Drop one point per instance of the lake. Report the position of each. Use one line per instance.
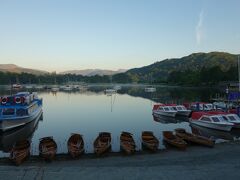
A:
(90, 112)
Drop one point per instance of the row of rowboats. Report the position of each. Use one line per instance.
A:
(102, 144)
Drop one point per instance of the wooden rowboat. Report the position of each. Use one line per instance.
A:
(149, 141)
(75, 145)
(127, 143)
(174, 140)
(47, 148)
(20, 152)
(102, 143)
(189, 137)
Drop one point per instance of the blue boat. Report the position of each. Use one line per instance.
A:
(19, 109)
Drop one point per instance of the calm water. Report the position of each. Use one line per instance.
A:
(91, 112)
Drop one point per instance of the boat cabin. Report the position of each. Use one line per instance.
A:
(21, 104)
(209, 117)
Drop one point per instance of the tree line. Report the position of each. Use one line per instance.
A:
(204, 76)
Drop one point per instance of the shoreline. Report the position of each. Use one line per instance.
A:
(197, 162)
(62, 157)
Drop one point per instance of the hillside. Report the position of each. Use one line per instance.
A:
(93, 72)
(17, 69)
(160, 71)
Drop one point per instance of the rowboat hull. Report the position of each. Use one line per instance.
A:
(102, 144)
(173, 140)
(127, 143)
(192, 138)
(149, 141)
(75, 145)
(20, 152)
(47, 148)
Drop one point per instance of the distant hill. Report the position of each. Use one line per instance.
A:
(93, 72)
(159, 71)
(17, 69)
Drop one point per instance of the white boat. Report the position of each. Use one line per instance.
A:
(16, 86)
(38, 87)
(181, 110)
(150, 89)
(19, 109)
(28, 87)
(213, 121)
(110, 91)
(67, 88)
(201, 106)
(117, 87)
(230, 117)
(164, 110)
(55, 89)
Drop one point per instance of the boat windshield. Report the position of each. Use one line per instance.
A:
(232, 118)
(209, 106)
(8, 111)
(181, 108)
(166, 109)
(215, 119)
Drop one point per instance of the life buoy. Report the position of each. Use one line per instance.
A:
(18, 100)
(4, 100)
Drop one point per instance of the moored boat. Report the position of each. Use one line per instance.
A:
(193, 138)
(20, 152)
(181, 110)
(127, 143)
(16, 86)
(47, 148)
(149, 141)
(230, 117)
(164, 110)
(102, 143)
(75, 145)
(199, 106)
(19, 109)
(214, 121)
(150, 89)
(174, 140)
(110, 91)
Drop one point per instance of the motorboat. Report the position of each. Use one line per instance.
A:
(199, 106)
(67, 88)
(16, 86)
(19, 109)
(55, 88)
(230, 117)
(164, 110)
(213, 121)
(150, 89)
(110, 91)
(181, 110)
(117, 87)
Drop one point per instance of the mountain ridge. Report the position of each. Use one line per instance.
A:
(93, 72)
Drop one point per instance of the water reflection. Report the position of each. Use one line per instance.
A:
(91, 111)
(9, 138)
(215, 134)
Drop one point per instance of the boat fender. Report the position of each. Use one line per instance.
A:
(4, 100)
(17, 100)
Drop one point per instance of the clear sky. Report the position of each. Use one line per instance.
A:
(112, 34)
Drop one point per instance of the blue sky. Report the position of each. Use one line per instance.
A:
(110, 34)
